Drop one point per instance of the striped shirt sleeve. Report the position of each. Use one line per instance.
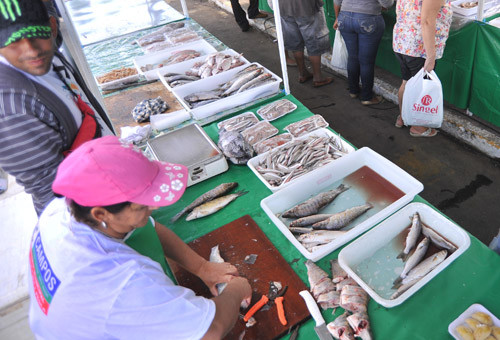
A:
(31, 147)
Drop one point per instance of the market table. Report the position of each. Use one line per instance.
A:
(472, 278)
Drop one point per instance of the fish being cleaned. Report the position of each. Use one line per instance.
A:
(423, 268)
(414, 259)
(314, 204)
(412, 237)
(213, 206)
(319, 281)
(320, 236)
(308, 220)
(216, 258)
(340, 328)
(361, 325)
(218, 191)
(341, 219)
(438, 240)
(329, 299)
(338, 273)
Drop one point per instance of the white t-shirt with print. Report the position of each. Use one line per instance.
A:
(86, 285)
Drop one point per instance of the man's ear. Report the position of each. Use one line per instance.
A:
(53, 26)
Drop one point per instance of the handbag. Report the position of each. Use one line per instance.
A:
(423, 100)
(339, 52)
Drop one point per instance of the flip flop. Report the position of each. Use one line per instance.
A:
(399, 122)
(323, 82)
(305, 78)
(427, 133)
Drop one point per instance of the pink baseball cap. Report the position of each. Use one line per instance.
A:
(107, 171)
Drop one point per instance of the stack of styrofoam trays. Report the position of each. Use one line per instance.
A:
(224, 103)
(200, 46)
(183, 70)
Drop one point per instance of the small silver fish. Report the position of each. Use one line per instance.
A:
(320, 236)
(412, 237)
(213, 206)
(438, 240)
(218, 191)
(415, 258)
(341, 219)
(300, 230)
(314, 204)
(308, 220)
(424, 267)
(216, 258)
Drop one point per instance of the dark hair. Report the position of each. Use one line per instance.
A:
(82, 213)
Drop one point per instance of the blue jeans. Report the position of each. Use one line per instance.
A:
(362, 34)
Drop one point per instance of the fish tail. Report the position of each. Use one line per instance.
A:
(178, 215)
(397, 283)
(403, 256)
(241, 192)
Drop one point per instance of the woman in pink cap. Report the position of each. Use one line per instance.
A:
(86, 283)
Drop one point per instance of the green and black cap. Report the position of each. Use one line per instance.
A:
(21, 19)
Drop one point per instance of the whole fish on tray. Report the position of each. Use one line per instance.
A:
(298, 157)
(314, 204)
(342, 219)
(320, 236)
(308, 220)
(218, 191)
(438, 240)
(213, 64)
(213, 206)
(412, 237)
(414, 259)
(243, 80)
(423, 268)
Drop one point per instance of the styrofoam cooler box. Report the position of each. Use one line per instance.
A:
(185, 66)
(211, 83)
(201, 46)
(371, 260)
(329, 177)
(254, 162)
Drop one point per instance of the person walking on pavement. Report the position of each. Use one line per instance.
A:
(420, 33)
(304, 25)
(241, 17)
(361, 24)
(46, 110)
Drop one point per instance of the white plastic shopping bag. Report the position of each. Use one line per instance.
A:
(339, 53)
(423, 100)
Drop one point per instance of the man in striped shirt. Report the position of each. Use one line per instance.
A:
(42, 99)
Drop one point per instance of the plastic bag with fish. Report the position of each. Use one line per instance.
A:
(234, 146)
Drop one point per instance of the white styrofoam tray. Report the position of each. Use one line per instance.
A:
(466, 314)
(371, 260)
(185, 66)
(253, 162)
(470, 11)
(328, 177)
(201, 46)
(226, 103)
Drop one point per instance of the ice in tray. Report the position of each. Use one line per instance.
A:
(370, 180)
(372, 260)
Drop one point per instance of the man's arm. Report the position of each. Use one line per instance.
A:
(31, 148)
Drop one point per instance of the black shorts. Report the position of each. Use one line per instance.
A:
(409, 65)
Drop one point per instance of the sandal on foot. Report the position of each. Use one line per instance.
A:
(353, 95)
(399, 122)
(305, 78)
(323, 82)
(430, 132)
(375, 100)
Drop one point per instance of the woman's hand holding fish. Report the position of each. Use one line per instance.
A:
(212, 273)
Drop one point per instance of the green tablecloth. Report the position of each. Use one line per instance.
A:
(472, 278)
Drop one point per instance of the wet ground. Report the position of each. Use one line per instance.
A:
(461, 182)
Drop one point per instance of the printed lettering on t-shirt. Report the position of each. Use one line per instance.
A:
(45, 281)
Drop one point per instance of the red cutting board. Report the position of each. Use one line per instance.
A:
(236, 240)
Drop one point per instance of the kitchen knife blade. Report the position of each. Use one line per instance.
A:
(320, 327)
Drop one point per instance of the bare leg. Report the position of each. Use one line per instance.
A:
(299, 58)
(289, 60)
(413, 129)
(316, 66)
